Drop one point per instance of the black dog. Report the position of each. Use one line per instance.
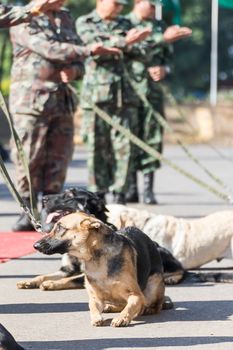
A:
(7, 341)
(78, 199)
(70, 201)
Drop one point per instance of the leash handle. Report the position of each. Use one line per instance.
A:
(32, 213)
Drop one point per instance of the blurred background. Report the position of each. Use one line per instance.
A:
(190, 83)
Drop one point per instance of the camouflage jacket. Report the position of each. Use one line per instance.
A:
(104, 81)
(158, 53)
(41, 49)
(13, 15)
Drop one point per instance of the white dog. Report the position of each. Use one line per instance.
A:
(192, 242)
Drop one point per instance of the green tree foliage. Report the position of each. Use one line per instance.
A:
(192, 55)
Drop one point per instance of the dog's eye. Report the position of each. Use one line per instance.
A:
(60, 230)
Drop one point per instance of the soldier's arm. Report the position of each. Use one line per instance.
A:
(89, 34)
(49, 49)
(123, 41)
(14, 15)
(71, 72)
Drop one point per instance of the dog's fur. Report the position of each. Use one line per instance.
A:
(53, 208)
(7, 341)
(123, 269)
(69, 276)
(192, 242)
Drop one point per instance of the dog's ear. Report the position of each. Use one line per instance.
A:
(71, 192)
(100, 194)
(95, 224)
(87, 223)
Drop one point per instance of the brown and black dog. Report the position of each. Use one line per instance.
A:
(123, 269)
(69, 275)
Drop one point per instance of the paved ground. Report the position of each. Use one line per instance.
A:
(203, 314)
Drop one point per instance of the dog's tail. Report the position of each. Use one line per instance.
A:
(7, 341)
(214, 277)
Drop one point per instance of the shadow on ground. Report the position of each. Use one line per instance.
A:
(127, 343)
(214, 310)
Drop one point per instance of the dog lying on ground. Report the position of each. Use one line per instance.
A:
(123, 269)
(69, 276)
(54, 207)
(192, 242)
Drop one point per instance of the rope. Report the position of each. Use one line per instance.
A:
(134, 139)
(183, 118)
(32, 213)
(166, 126)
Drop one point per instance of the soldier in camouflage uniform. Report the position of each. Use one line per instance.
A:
(47, 53)
(147, 75)
(13, 15)
(110, 153)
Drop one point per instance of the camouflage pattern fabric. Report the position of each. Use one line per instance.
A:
(13, 15)
(48, 145)
(105, 85)
(110, 153)
(41, 105)
(159, 55)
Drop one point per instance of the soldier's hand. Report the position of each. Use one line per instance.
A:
(157, 73)
(68, 74)
(100, 50)
(39, 6)
(135, 35)
(174, 33)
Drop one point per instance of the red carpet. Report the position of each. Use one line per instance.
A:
(16, 244)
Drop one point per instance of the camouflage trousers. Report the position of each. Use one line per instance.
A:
(48, 145)
(151, 132)
(110, 153)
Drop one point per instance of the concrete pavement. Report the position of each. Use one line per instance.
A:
(203, 314)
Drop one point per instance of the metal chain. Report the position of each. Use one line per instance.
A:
(17, 197)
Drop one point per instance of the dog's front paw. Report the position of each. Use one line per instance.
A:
(120, 321)
(48, 285)
(27, 285)
(97, 322)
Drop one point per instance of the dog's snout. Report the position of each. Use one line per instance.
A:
(37, 245)
(50, 245)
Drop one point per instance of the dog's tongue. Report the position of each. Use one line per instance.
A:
(51, 216)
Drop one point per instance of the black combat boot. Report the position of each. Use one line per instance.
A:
(119, 198)
(148, 195)
(132, 193)
(23, 223)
